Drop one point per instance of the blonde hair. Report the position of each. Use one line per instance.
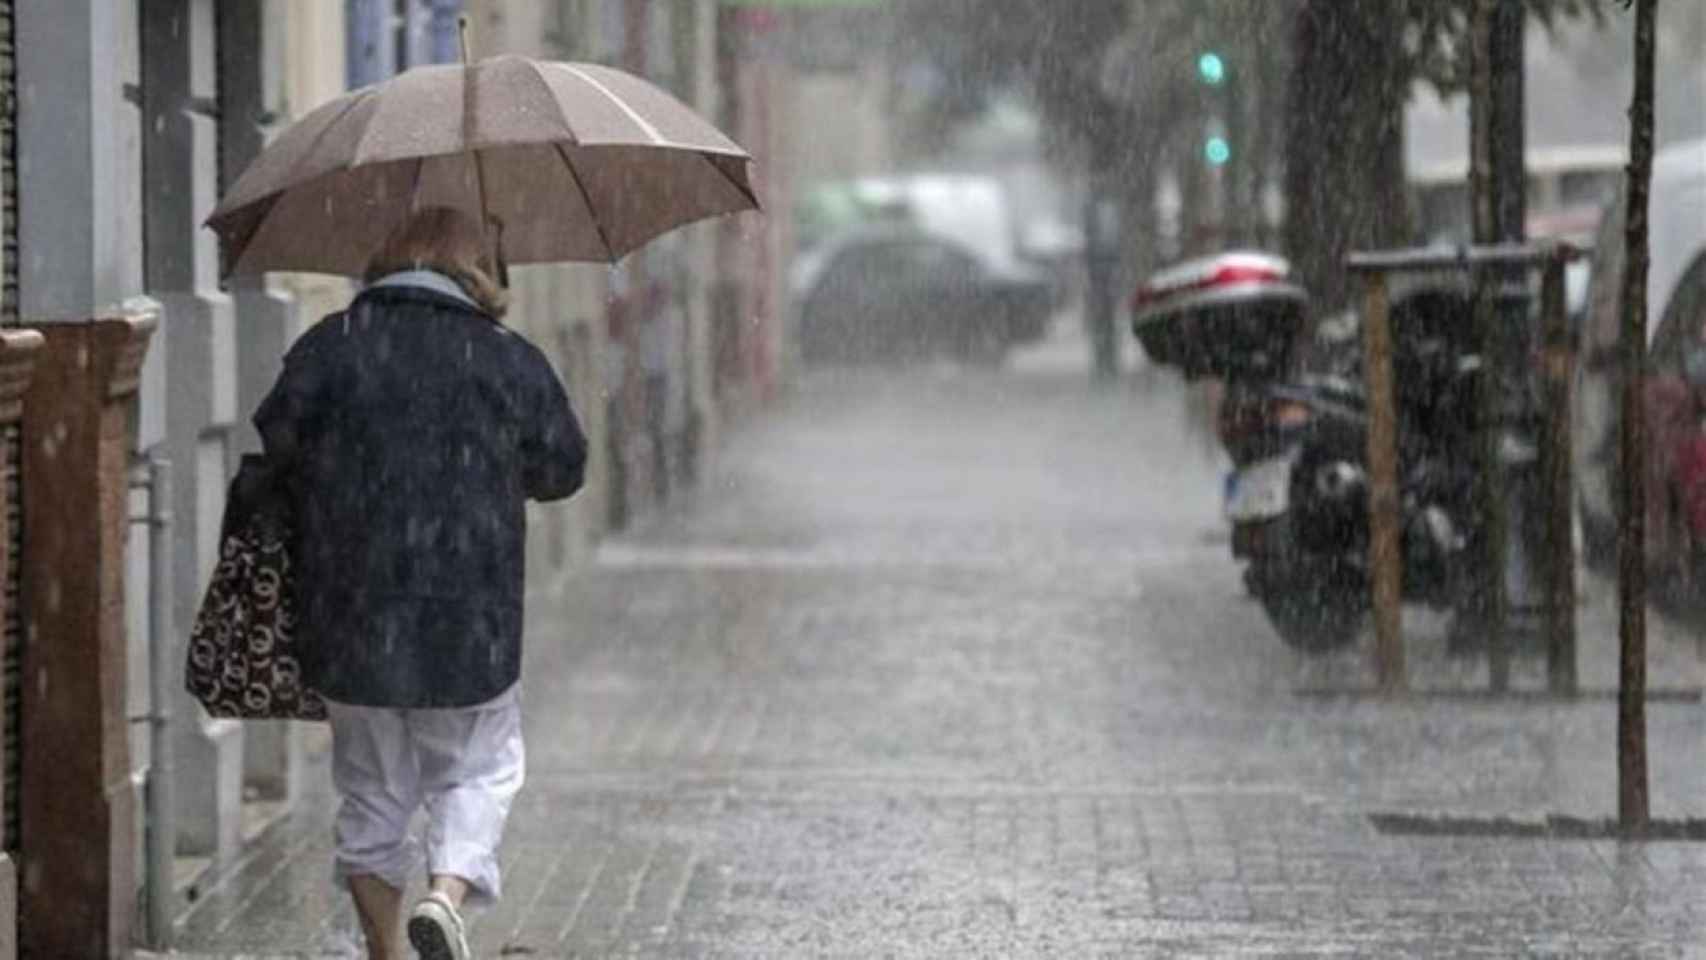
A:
(449, 241)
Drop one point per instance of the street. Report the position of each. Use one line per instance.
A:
(947, 662)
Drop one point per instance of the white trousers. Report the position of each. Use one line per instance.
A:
(462, 766)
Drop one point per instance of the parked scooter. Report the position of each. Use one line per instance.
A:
(1294, 422)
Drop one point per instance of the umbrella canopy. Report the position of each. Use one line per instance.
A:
(577, 161)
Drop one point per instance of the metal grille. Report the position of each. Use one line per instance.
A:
(8, 165)
(13, 669)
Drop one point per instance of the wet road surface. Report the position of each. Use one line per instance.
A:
(954, 663)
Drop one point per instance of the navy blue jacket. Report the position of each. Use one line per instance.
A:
(412, 428)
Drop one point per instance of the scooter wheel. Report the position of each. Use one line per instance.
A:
(1314, 624)
(1311, 606)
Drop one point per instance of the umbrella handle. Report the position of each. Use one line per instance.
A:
(500, 263)
(462, 31)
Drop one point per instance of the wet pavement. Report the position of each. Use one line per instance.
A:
(952, 663)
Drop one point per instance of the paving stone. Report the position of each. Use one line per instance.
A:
(956, 664)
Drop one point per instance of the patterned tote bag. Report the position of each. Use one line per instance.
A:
(242, 661)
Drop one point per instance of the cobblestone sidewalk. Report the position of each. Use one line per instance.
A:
(953, 665)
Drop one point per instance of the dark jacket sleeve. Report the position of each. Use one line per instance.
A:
(281, 417)
(553, 449)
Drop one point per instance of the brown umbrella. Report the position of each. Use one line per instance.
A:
(577, 161)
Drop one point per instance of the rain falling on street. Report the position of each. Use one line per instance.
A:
(951, 662)
(774, 479)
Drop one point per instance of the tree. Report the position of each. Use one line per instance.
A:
(1354, 67)
(975, 47)
(1632, 805)
(1344, 139)
(1115, 80)
(960, 54)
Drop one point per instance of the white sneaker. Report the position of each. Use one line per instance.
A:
(436, 931)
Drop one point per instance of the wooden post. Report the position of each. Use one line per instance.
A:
(1559, 362)
(1632, 799)
(1385, 574)
(78, 829)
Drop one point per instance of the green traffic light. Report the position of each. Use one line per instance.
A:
(1212, 69)
(1217, 150)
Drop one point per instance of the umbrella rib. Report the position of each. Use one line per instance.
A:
(292, 179)
(586, 198)
(233, 259)
(551, 97)
(645, 125)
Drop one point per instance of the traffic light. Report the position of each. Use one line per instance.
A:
(1211, 69)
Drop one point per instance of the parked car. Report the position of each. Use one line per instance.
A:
(1676, 327)
(884, 292)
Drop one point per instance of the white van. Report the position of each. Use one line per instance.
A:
(1676, 316)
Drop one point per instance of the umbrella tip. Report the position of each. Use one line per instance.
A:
(462, 31)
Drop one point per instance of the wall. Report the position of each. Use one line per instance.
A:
(79, 222)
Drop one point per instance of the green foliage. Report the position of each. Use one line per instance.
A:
(1438, 34)
(974, 50)
(982, 47)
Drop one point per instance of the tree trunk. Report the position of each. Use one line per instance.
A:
(1344, 178)
(1632, 809)
(1497, 190)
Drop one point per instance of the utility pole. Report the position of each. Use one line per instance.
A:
(1632, 806)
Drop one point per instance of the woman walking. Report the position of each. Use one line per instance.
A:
(412, 428)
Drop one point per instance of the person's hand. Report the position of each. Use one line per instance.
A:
(500, 262)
